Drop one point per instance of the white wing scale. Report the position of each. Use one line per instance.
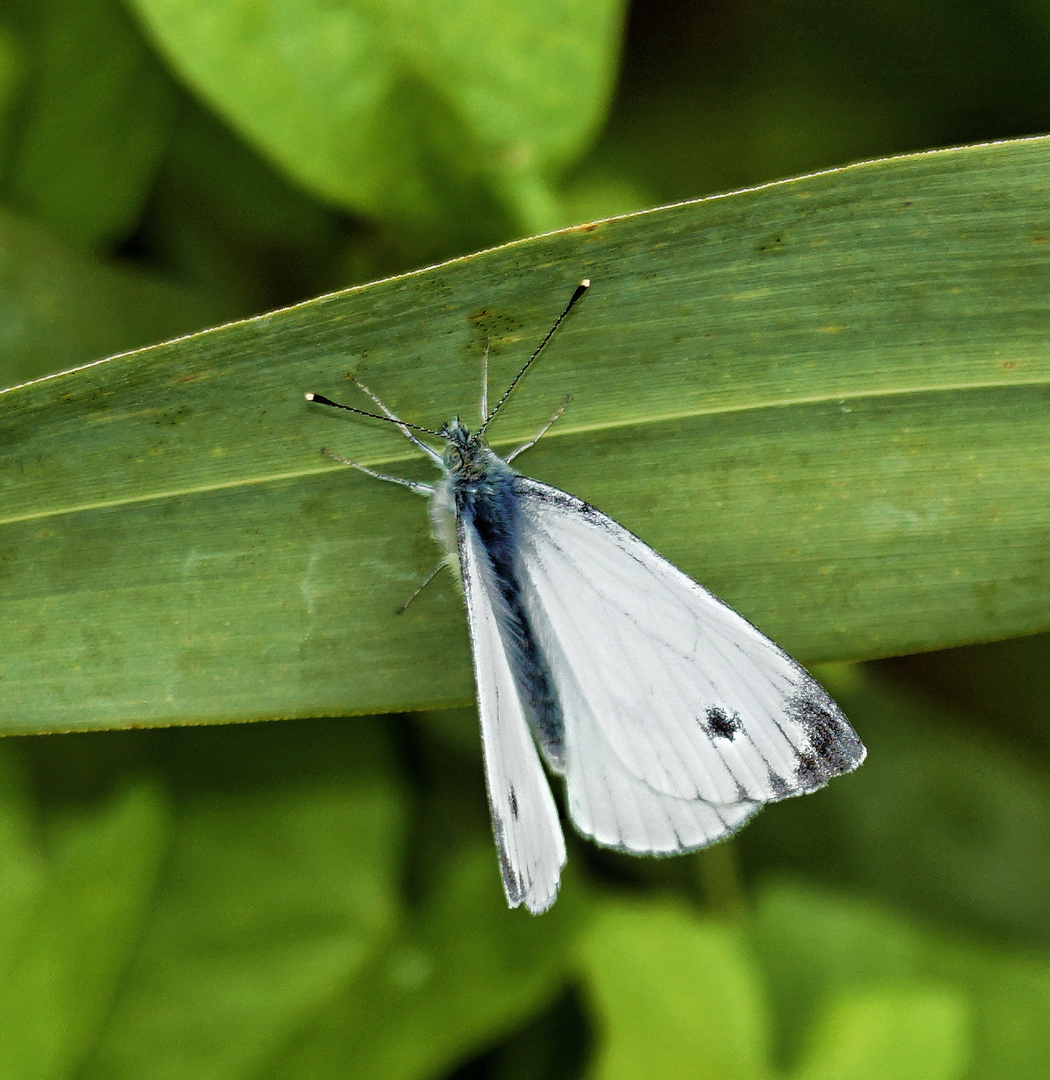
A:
(524, 817)
(681, 719)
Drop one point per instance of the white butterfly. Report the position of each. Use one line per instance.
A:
(672, 719)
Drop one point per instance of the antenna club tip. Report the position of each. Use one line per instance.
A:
(309, 397)
(586, 283)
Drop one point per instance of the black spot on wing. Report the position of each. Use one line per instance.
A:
(833, 746)
(720, 725)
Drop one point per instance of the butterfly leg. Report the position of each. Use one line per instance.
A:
(428, 450)
(539, 434)
(485, 382)
(414, 485)
(423, 584)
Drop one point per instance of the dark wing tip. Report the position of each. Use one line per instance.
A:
(833, 748)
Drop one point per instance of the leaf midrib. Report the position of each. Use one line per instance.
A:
(562, 433)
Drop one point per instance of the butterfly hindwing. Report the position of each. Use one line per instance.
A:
(524, 816)
(681, 718)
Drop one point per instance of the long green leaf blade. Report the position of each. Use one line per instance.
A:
(826, 399)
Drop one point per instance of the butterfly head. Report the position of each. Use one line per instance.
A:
(464, 449)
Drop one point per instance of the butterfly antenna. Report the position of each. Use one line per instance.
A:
(573, 300)
(319, 399)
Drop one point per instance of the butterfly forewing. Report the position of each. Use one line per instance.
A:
(616, 808)
(667, 693)
(524, 816)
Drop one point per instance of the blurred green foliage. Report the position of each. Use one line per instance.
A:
(320, 898)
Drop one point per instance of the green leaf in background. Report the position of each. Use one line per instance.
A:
(225, 220)
(850, 991)
(268, 932)
(1003, 686)
(948, 822)
(720, 99)
(60, 308)
(890, 1034)
(674, 997)
(280, 943)
(444, 120)
(12, 64)
(463, 972)
(77, 930)
(22, 866)
(299, 882)
(824, 398)
(962, 1008)
(93, 122)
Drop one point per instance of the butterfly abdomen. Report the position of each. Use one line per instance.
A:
(488, 503)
